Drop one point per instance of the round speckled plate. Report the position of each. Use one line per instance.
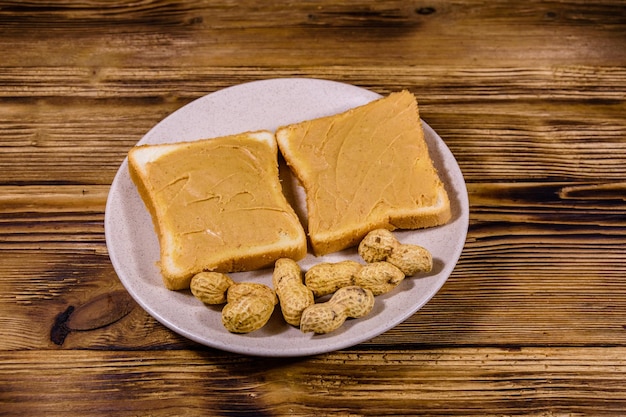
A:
(268, 104)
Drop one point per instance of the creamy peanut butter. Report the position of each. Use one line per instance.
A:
(361, 165)
(220, 196)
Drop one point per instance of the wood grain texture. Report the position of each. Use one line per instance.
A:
(481, 382)
(257, 33)
(565, 123)
(530, 97)
(541, 271)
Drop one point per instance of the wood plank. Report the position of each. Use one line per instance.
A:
(41, 286)
(260, 33)
(57, 199)
(454, 83)
(69, 143)
(499, 123)
(478, 381)
(569, 290)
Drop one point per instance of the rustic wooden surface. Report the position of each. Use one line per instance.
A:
(530, 96)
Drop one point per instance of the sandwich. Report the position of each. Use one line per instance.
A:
(216, 205)
(365, 169)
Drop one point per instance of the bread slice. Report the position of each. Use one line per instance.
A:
(216, 205)
(364, 169)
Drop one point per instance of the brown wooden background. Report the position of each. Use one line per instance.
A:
(530, 96)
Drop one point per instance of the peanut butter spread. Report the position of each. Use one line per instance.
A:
(359, 165)
(209, 196)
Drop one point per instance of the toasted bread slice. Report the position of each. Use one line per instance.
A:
(364, 169)
(216, 205)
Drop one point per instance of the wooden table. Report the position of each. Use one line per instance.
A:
(528, 95)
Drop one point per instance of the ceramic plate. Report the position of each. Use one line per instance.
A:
(268, 104)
